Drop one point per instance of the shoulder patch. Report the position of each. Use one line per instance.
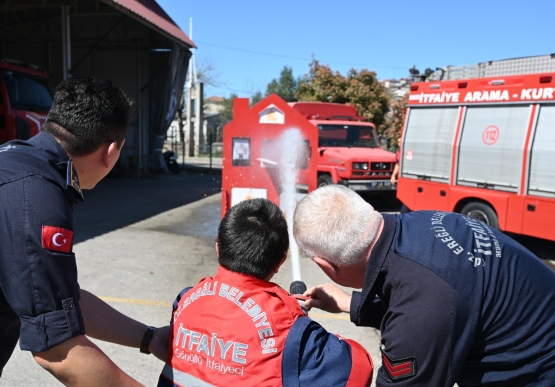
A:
(399, 369)
(57, 239)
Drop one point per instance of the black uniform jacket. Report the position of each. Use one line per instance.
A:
(39, 292)
(457, 302)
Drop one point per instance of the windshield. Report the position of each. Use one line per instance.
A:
(28, 92)
(347, 135)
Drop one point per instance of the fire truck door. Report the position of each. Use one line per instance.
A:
(539, 205)
(426, 157)
(427, 145)
(491, 148)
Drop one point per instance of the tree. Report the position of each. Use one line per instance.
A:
(285, 86)
(395, 119)
(359, 88)
(207, 72)
(227, 113)
(256, 98)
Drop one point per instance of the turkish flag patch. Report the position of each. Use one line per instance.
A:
(399, 369)
(57, 239)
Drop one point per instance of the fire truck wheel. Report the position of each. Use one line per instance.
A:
(324, 180)
(481, 212)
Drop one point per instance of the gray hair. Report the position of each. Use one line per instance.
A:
(335, 224)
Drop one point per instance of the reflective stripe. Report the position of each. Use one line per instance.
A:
(183, 379)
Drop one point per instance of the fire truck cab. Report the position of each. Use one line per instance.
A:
(348, 148)
(25, 99)
(484, 147)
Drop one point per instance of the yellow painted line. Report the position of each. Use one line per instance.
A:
(133, 301)
(329, 316)
(163, 303)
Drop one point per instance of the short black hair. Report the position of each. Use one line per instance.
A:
(87, 113)
(253, 238)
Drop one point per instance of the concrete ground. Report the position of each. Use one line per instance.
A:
(138, 243)
(201, 162)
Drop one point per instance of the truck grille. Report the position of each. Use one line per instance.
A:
(380, 166)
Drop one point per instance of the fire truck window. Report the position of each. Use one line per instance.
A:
(421, 157)
(241, 152)
(491, 146)
(304, 156)
(347, 135)
(28, 92)
(542, 180)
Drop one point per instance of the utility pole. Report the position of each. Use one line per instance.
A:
(190, 106)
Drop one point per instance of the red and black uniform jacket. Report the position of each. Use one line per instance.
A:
(237, 330)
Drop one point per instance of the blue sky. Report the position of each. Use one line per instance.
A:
(248, 42)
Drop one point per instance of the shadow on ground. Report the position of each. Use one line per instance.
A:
(118, 202)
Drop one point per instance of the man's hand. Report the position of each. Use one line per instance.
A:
(159, 344)
(328, 297)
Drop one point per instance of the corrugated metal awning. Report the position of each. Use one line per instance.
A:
(152, 15)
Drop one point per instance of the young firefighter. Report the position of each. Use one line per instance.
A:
(239, 329)
(41, 303)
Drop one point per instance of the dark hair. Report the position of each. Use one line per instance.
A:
(87, 113)
(253, 238)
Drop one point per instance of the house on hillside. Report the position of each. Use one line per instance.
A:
(397, 88)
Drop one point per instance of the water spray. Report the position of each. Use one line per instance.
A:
(292, 146)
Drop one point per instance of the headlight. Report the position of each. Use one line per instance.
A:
(363, 166)
(381, 166)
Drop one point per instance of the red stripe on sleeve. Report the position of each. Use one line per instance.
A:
(399, 369)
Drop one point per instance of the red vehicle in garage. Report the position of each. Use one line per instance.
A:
(25, 99)
(484, 147)
(348, 148)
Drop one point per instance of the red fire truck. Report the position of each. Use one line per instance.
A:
(348, 148)
(25, 99)
(484, 147)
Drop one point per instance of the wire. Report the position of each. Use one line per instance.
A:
(236, 90)
(296, 57)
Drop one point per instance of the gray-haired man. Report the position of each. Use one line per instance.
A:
(456, 301)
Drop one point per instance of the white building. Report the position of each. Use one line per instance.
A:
(397, 88)
(198, 142)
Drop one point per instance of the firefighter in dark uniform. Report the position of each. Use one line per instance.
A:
(456, 301)
(40, 181)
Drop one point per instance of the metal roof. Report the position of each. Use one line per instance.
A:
(151, 14)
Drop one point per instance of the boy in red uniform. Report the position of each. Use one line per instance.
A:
(239, 329)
